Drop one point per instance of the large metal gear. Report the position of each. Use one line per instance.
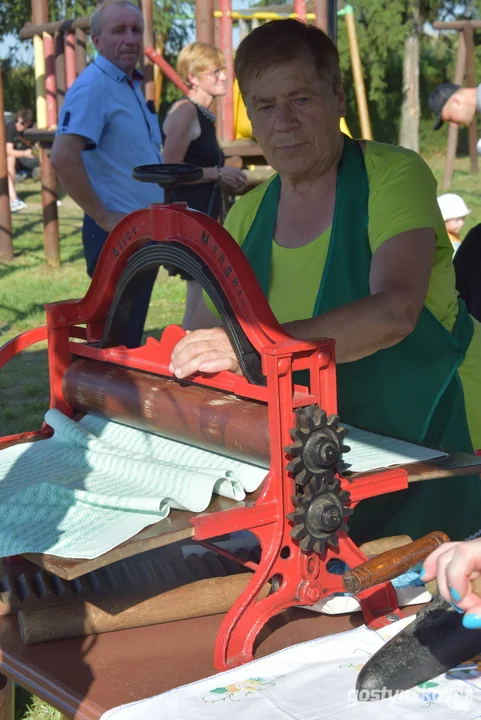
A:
(321, 506)
(317, 443)
(320, 513)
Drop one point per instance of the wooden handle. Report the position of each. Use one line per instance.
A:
(203, 597)
(391, 564)
(432, 586)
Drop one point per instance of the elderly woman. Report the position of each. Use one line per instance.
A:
(347, 242)
(189, 136)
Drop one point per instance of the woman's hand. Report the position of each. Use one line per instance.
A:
(205, 351)
(234, 179)
(455, 565)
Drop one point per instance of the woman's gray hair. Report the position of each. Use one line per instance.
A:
(96, 19)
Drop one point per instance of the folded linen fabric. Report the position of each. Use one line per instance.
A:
(96, 483)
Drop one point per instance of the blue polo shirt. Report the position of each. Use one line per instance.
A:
(110, 111)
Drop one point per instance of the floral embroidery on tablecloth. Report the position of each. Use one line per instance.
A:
(237, 691)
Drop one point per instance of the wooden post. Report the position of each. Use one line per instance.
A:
(470, 82)
(300, 9)
(50, 213)
(225, 7)
(70, 59)
(320, 10)
(204, 21)
(453, 130)
(147, 66)
(60, 74)
(357, 74)
(6, 243)
(50, 81)
(47, 173)
(80, 50)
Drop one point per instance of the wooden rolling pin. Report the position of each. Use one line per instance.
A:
(376, 547)
(391, 564)
(211, 596)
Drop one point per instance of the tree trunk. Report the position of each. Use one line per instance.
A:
(409, 132)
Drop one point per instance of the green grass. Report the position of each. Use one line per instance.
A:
(27, 283)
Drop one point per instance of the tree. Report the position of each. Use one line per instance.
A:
(410, 111)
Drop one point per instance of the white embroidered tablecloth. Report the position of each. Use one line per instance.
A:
(311, 681)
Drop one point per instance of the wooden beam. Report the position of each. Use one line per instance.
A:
(471, 82)
(63, 26)
(204, 21)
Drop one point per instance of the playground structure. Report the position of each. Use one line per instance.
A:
(464, 68)
(60, 56)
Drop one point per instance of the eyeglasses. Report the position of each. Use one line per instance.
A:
(216, 73)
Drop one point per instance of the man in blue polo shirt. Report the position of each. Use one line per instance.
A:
(106, 129)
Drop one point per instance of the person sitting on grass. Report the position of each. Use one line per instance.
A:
(20, 156)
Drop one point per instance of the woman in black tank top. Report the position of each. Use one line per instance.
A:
(189, 136)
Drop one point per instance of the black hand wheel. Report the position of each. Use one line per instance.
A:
(168, 176)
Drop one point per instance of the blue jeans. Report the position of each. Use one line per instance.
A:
(93, 239)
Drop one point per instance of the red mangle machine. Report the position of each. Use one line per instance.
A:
(300, 514)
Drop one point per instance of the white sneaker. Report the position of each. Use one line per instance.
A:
(16, 205)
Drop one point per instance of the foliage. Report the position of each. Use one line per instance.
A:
(18, 86)
(382, 26)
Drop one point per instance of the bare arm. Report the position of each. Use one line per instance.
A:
(181, 127)
(66, 158)
(18, 153)
(399, 279)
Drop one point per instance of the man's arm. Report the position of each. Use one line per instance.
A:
(66, 158)
(399, 280)
(12, 152)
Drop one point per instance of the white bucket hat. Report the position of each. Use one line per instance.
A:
(452, 206)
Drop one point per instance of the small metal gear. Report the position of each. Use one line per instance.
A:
(317, 443)
(319, 514)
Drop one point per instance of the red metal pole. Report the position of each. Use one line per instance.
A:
(320, 9)
(70, 59)
(300, 9)
(225, 7)
(167, 69)
(50, 81)
(204, 21)
(148, 69)
(6, 243)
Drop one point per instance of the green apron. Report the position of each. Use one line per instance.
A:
(411, 391)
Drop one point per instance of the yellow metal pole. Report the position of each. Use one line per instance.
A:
(39, 66)
(357, 73)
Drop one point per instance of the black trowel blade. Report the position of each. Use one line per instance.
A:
(432, 644)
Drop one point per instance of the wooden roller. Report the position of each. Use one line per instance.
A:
(203, 597)
(391, 564)
(192, 414)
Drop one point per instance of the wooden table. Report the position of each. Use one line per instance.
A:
(84, 677)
